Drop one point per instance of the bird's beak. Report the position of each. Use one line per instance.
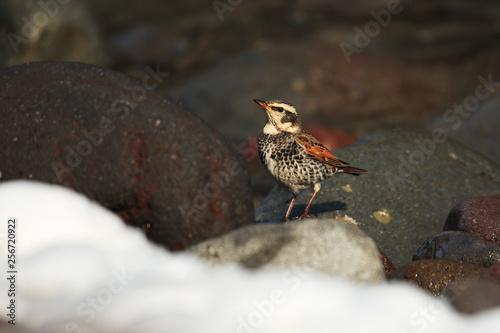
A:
(262, 104)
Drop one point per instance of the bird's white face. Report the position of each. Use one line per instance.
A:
(281, 117)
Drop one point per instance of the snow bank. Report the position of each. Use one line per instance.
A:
(80, 269)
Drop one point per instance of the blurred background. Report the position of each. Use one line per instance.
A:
(350, 67)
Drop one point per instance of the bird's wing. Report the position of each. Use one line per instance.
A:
(314, 149)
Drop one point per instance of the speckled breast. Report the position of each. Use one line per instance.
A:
(285, 160)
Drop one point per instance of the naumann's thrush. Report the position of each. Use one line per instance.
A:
(292, 156)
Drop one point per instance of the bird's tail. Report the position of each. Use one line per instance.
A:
(352, 170)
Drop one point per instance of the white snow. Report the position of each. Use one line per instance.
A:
(81, 269)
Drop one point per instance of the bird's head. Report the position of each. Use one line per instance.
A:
(281, 117)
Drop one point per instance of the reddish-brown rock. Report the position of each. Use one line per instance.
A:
(474, 296)
(389, 267)
(479, 216)
(436, 275)
(492, 273)
(114, 139)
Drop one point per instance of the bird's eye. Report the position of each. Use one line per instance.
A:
(277, 108)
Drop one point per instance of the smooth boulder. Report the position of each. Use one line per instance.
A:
(459, 246)
(137, 152)
(326, 245)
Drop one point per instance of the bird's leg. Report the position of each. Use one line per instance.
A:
(317, 187)
(289, 210)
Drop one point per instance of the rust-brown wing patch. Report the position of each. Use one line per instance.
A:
(314, 149)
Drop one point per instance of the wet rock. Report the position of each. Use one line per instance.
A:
(459, 246)
(35, 30)
(135, 151)
(479, 216)
(474, 296)
(436, 276)
(327, 245)
(414, 178)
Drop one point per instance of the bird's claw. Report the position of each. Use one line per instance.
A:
(303, 216)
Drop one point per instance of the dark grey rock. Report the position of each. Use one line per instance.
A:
(330, 246)
(459, 246)
(34, 30)
(134, 150)
(400, 202)
(477, 129)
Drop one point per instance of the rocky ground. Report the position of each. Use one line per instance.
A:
(163, 133)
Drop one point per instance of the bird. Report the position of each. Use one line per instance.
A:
(294, 158)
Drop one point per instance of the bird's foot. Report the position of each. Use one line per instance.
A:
(303, 216)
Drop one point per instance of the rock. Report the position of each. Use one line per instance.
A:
(389, 267)
(49, 31)
(435, 276)
(135, 151)
(479, 216)
(474, 296)
(329, 246)
(414, 179)
(492, 273)
(477, 129)
(459, 246)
